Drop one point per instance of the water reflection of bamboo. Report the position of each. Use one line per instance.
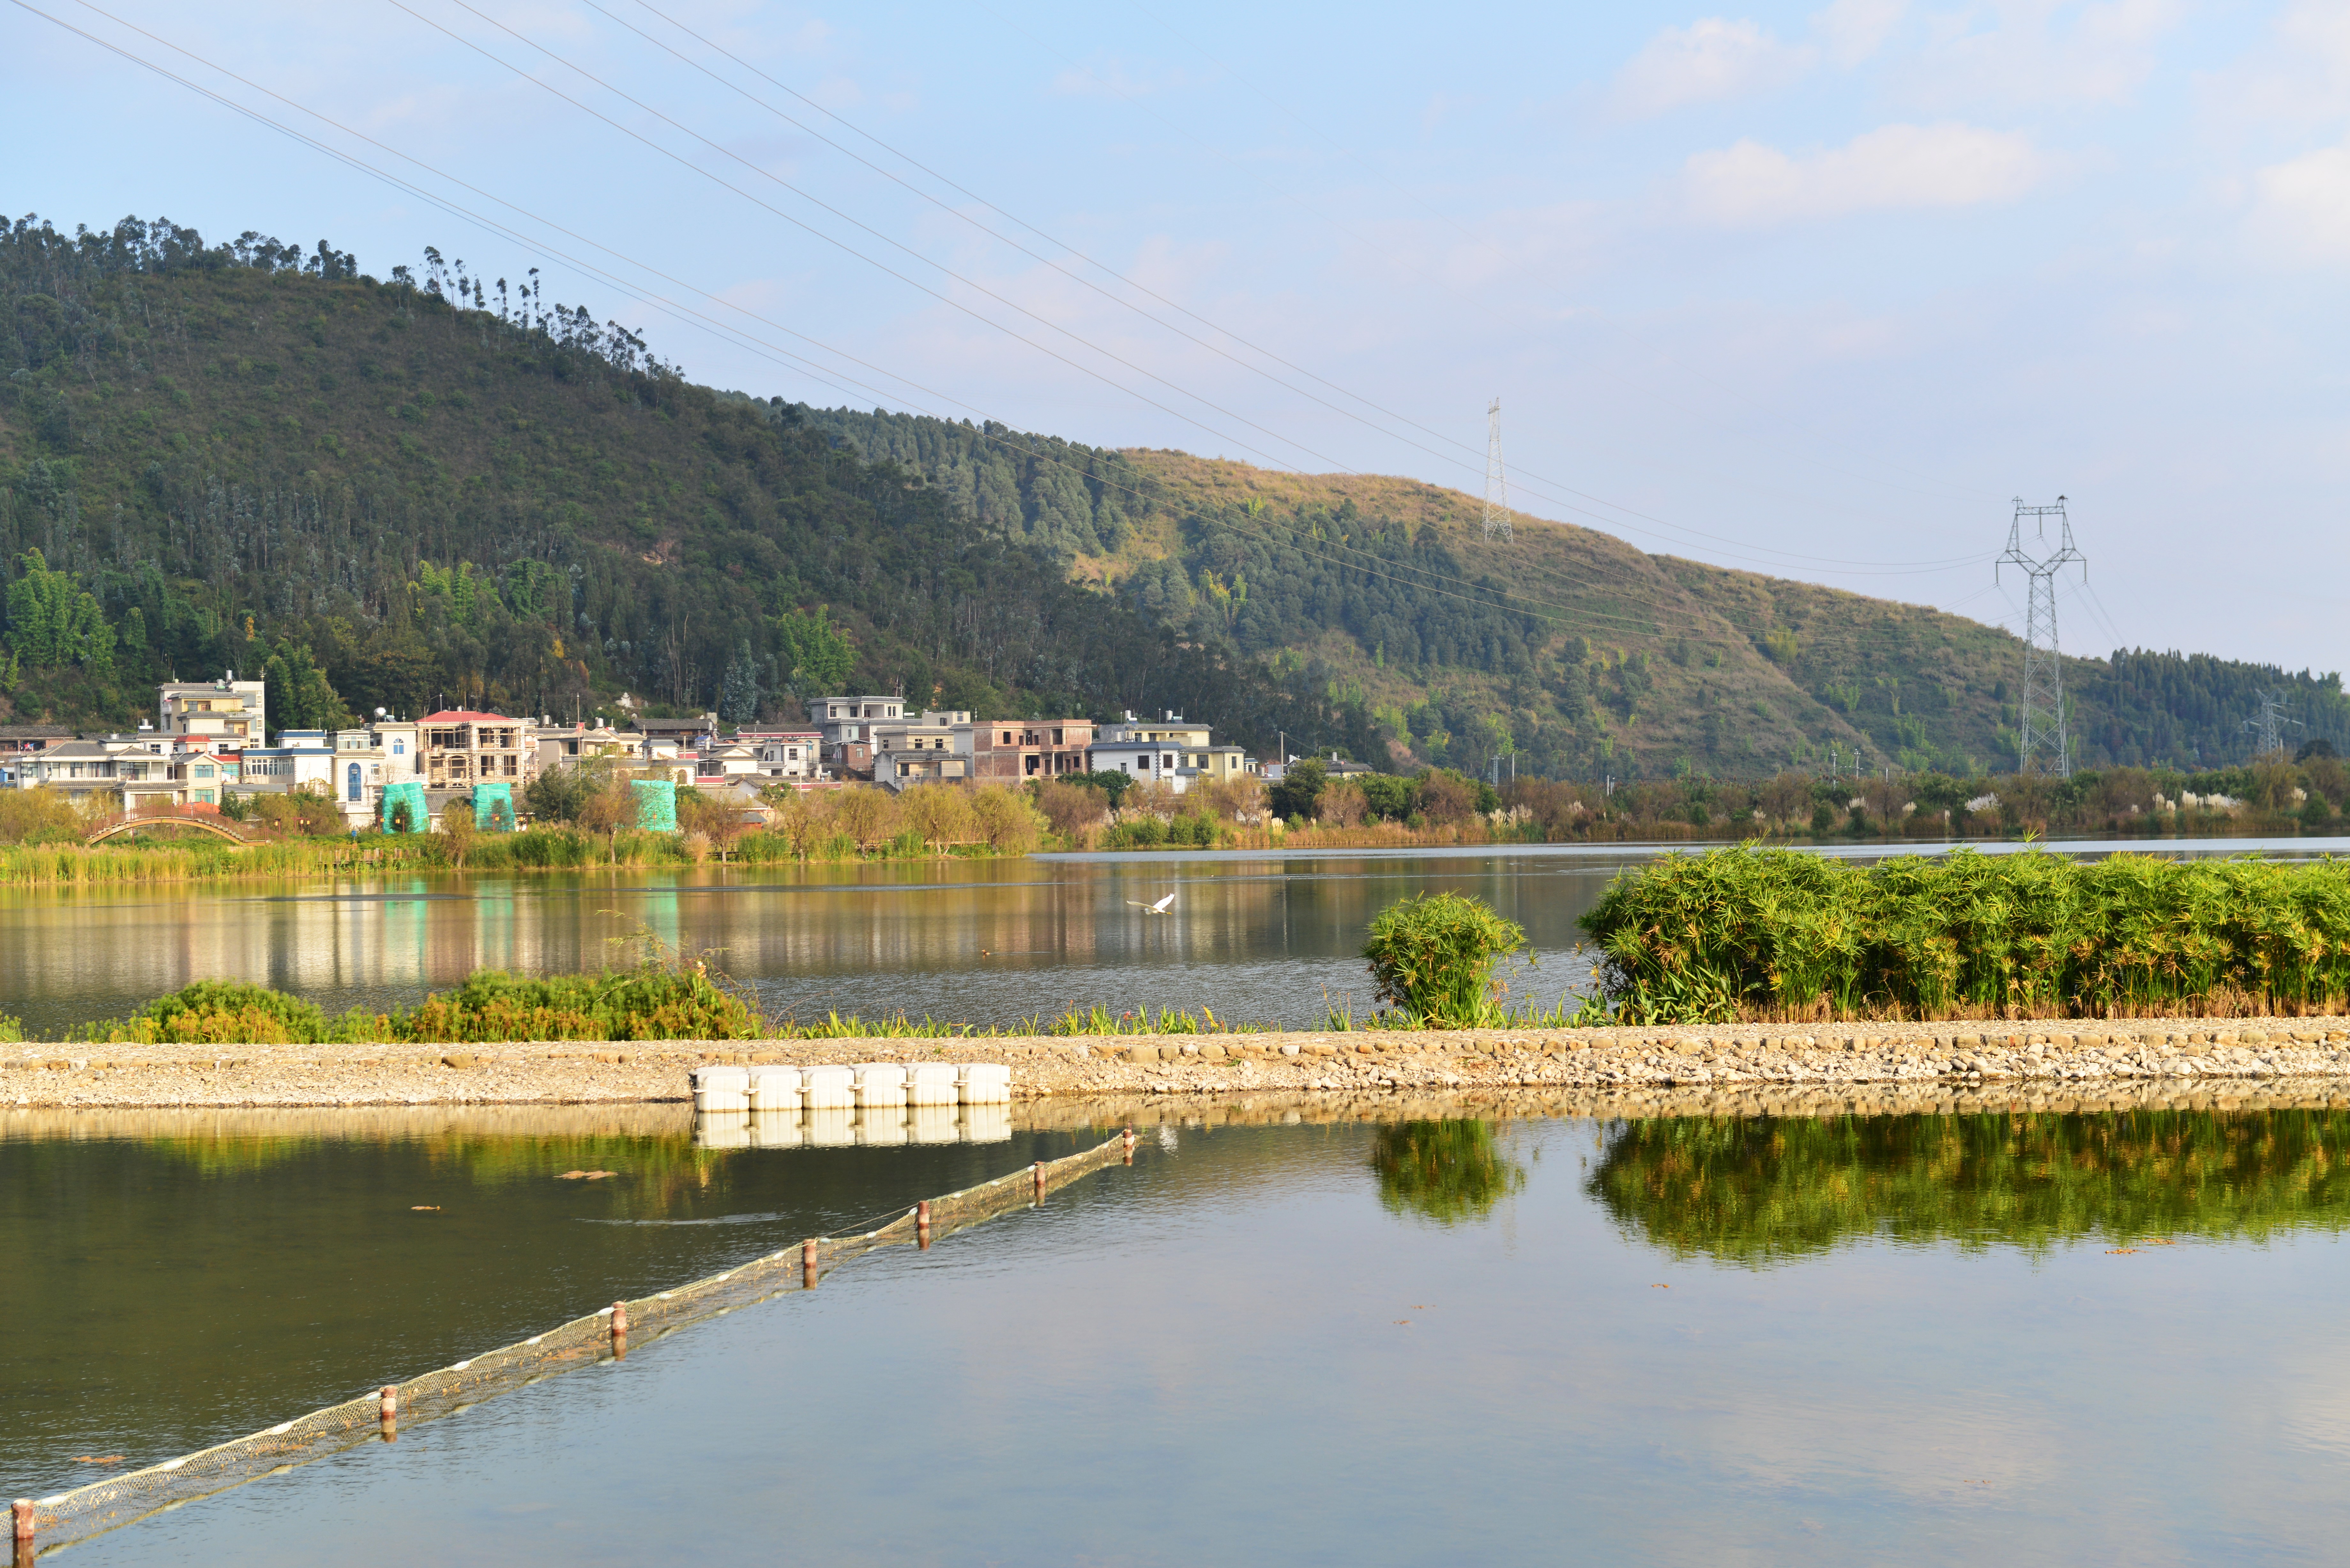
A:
(1756, 1191)
(1447, 1170)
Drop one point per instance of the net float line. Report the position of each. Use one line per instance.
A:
(50, 1524)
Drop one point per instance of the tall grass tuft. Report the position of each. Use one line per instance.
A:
(1748, 933)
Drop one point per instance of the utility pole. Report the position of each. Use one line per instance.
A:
(2041, 718)
(1497, 489)
(2269, 725)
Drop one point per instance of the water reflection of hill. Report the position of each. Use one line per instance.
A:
(1759, 1191)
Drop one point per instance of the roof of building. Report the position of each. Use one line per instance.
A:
(34, 733)
(466, 716)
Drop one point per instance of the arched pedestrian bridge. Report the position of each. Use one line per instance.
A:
(198, 818)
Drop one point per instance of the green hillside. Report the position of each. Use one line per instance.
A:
(1566, 645)
(240, 456)
(440, 488)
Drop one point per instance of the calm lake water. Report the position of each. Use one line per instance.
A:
(1257, 938)
(1690, 1341)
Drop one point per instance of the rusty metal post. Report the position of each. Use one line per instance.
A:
(619, 1331)
(922, 1223)
(1040, 1182)
(808, 1264)
(387, 1413)
(24, 1553)
(1129, 1145)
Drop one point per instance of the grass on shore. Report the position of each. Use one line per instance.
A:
(175, 856)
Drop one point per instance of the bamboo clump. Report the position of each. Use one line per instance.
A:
(1752, 934)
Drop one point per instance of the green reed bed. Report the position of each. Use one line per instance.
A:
(1763, 934)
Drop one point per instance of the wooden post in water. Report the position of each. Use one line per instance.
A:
(24, 1553)
(387, 1413)
(808, 1264)
(1129, 1145)
(922, 1223)
(1040, 1182)
(619, 1331)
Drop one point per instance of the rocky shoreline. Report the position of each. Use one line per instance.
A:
(1836, 1060)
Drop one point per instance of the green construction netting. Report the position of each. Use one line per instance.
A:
(494, 807)
(656, 804)
(420, 817)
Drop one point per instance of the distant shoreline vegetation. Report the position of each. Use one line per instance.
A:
(574, 823)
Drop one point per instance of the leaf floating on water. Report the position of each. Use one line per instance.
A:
(98, 1458)
(1660, 1287)
(571, 1176)
(600, 1175)
(2116, 1251)
(425, 1207)
(1403, 1323)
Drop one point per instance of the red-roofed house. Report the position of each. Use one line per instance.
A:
(463, 747)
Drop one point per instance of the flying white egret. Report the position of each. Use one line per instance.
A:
(1157, 908)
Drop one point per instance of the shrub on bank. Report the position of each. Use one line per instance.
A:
(649, 1003)
(1432, 955)
(1748, 933)
(653, 1003)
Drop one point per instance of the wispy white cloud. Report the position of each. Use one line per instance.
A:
(2298, 78)
(2301, 211)
(1853, 30)
(1710, 59)
(2039, 55)
(1893, 166)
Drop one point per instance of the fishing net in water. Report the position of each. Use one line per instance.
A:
(76, 1515)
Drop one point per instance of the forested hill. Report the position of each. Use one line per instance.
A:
(440, 488)
(1566, 646)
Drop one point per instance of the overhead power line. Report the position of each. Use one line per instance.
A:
(1707, 631)
(961, 215)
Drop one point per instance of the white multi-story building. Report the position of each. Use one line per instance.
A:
(225, 714)
(785, 753)
(1175, 753)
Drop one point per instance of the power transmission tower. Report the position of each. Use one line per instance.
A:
(1497, 489)
(2041, 724)
(2269, 726)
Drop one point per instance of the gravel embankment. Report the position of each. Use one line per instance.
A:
(1837, 1061)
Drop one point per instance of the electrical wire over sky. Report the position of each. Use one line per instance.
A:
(835, 369)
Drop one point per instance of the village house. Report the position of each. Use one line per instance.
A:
(846, 727)
(1176, 753)
(463, 748)
(1012, 750)
(227, 713)
(16, 740)
(927, 750)
(581, 744)
(785, 753)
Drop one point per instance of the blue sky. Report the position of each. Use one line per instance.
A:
(1809, 290)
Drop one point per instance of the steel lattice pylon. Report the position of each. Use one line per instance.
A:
(1497, 489)
(2041, 722)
